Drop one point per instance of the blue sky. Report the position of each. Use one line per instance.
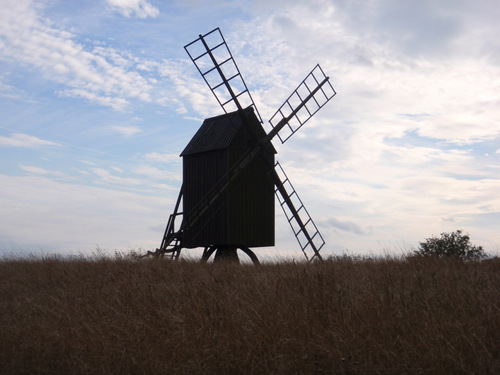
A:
(98, 98)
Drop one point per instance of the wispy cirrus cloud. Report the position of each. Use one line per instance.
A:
(99, 75)
(24, 140)
(345, 225)
(139, 8)
(157, 174)
(126, 131)
(40, 171)
(163, 158)
(108, 178)
(11, 92)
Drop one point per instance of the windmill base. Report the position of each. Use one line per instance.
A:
(228, 254)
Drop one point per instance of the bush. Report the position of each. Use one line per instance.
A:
(450, 245)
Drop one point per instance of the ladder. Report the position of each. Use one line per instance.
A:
(172, 239)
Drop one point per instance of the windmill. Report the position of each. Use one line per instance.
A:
(230, 175)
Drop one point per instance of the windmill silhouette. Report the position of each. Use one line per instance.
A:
(230, 175)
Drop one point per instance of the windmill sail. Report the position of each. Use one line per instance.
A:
(214, 61)
(307, 99)
(308, 236)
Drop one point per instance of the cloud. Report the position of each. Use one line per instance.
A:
(156, 174)
(347, 226)
(126, 131)
(10, 92)
(24, 140)
(188, 88)
(101, 75)
(140, 8)
(40, 171)
(163, 158)
(118, 104)
(40, 213)
(88, 162)
(415, 28)
(108, 178)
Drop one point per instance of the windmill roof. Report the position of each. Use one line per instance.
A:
(217, 133)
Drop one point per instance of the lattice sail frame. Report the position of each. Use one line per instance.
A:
(315, 80)
(305, 230)
(214, 61)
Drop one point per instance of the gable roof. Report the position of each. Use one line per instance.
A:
(217, 133)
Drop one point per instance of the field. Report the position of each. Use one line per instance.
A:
(342, 316)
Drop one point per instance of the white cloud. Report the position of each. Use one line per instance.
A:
(344, 225)
(126, 131)
(10, 92)
(41, 214)
(118, 104)
(117, 169)
(88, 162)
(108, 178)
(163, 158)
(140, 8)
(153, 173)
(369, 63)
(101, 75)
(188, 88)
(40, 171)
(24, 140)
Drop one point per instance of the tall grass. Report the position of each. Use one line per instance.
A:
(343, 316)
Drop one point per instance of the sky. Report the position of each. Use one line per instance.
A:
(98, 98)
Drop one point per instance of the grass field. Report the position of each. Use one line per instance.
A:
(343, 316)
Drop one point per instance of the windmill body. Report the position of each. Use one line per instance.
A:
(229, 172)
(244, 214)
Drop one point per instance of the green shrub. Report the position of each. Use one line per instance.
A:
(450, 245)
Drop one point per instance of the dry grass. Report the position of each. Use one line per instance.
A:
(345, 316)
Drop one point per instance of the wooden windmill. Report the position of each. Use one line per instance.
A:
(230, 175)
